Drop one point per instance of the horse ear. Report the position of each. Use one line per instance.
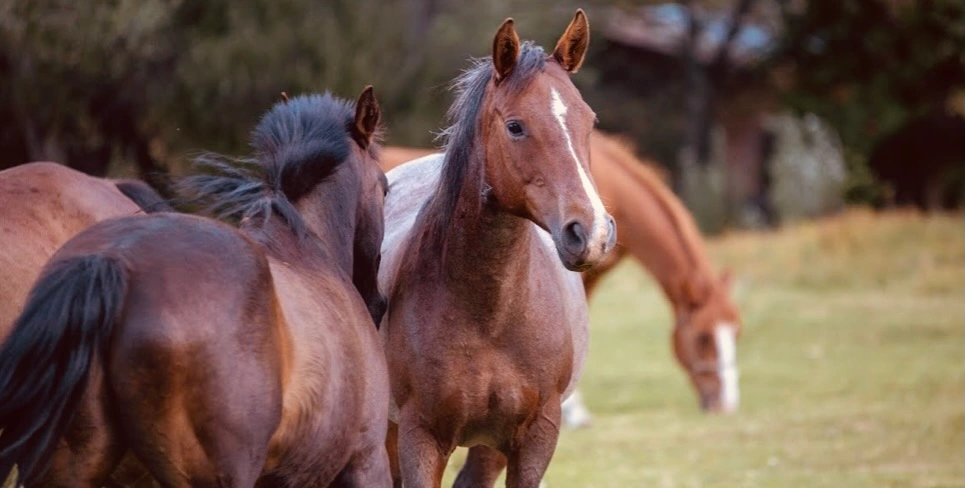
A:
(505, 49)
(367, 115)
(571, 48)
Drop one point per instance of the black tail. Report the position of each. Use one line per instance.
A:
(65, 326)
(145, 196)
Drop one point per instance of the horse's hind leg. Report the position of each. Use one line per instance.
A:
(90, 449)
(367, 468)
(482, 468)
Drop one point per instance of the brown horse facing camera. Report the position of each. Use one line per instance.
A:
(656, 228)
(218, 356)
(42, 205)
(486, 330)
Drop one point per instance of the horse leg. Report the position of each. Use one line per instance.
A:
(482, 468)
(422, 456)
(392, 446)
(370, 467)
(530, 458)
(90, 449)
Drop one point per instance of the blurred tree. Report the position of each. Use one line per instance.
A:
(141, 82)
(87, 81)
(872, 67)
(76, 78)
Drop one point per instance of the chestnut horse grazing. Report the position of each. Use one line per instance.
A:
(44, 204)
(657, 229)
(486, 330)
(217, 356)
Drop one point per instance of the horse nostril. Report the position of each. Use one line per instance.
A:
(574, 238)
(611, 238)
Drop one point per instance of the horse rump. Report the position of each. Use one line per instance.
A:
(44, 364)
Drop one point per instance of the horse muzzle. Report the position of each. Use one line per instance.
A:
(581, 246)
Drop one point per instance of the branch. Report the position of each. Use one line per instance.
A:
(719, 66)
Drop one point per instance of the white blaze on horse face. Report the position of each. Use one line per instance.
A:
(727, 366)
(600, 229)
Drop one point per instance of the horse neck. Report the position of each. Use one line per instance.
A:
(653, 232)
(325, 243)
(480, 251)
(333, 224)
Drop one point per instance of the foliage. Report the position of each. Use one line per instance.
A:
(85, 79)
(147, 81)
(870, 67)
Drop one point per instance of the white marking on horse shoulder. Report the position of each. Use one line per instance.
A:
(599, 211)
(727, 366)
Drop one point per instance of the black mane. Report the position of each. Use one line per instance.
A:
(297, 144)
(464, 117)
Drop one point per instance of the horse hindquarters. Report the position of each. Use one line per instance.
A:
(199, 383)
(66, 326)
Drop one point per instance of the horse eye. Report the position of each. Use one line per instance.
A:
(514, 128)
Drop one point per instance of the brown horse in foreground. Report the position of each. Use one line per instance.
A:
(44, 204)
(656, 228)
(217, 356)
(486, 331)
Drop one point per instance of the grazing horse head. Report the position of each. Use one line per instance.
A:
(305, 161)
(705, 338)
(534, 133)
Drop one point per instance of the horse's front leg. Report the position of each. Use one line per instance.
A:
(530, 458)
(422, 456)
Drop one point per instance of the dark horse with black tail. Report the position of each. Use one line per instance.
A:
(217, 356)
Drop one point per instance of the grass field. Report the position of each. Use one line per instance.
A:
(852, 369)
(851, 361)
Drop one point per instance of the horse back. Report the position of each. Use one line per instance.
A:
(195, 275)
(59, 193)
(42, 205)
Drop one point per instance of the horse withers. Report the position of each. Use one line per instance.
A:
(487, 325)
(218, 356)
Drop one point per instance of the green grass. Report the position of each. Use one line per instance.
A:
(851, 367)
(851, 363)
